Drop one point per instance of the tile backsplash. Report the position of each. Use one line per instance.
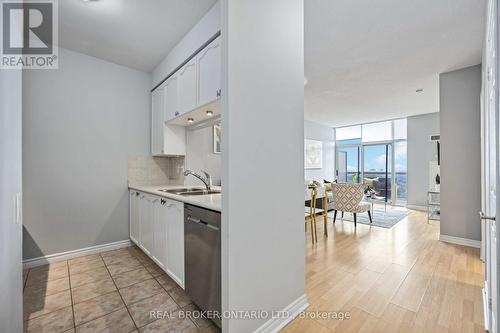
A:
(147, 170)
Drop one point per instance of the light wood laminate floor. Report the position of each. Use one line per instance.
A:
(391, 280)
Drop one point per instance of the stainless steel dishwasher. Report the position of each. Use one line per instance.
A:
(202, 255)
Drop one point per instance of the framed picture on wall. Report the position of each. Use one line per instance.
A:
(216, 139)
(313, 154)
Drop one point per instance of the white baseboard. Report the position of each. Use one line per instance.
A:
(293, 309)
(29, 263)
(416, 207)
(460, 241)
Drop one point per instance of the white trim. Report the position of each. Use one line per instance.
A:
(460, 241)
(417, 207)
(486, 310)
(292, 310)
(29, 263)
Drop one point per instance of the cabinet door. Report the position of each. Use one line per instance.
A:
(146, 229)
(209, 69)
(175, 241)
(134, 216)
(159, 254)
(188, 87)
(157, 121)
(174, 136)
(171, 98)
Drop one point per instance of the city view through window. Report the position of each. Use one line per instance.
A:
(374, 155)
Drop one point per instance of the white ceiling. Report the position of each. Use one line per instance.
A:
(364, 59)
(133, 33)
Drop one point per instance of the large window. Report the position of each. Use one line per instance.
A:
(374, 154)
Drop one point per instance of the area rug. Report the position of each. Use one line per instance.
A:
(381, 217)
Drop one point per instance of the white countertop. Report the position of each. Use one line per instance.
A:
(209, 201)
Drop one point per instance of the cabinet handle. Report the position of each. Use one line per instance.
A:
(137, 194)
(218, 93)
(176, 113)
(163, 201)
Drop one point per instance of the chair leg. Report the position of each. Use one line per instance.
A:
(312, 231)
(354, 220)
(370, 216)
(314, 234)
(325, 215)
(334, 216)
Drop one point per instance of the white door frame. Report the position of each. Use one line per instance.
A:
(489, 166)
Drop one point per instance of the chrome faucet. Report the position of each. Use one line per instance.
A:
(207, 180)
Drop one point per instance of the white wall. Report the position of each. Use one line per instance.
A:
(263, 157)
(200, 155)
(208, 26)
(80, 125)
(420, 152)
(460, 120)
(315, 131)
(11, 311)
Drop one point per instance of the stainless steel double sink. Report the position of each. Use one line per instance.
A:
(190, 191)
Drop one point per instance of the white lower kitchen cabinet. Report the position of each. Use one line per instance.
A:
(134, 216)
(146, 213)
(175, 240)
(157, 227)
(159, 252)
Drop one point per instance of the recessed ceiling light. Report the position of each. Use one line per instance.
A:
(210, 113)
(419, 90)
(190, 120)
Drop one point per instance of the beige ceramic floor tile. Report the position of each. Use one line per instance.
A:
(154, 270)
(40, 276)
(170, 325)
(115, 322)
(123, 267)
(51, 266)
(129, 278)
(117, 252)
(37, 305)
(100, 273)
(141, 311)
(54, 322)
(93, 289)
(84, 266)
(84, 259)
(140, 291)
(166, 282)
(48, 287)
(97, 307)
(118, 258)
(180, 297)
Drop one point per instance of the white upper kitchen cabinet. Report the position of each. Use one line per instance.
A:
(134, 216)
(174, 137)
(159, 224)
(209, 73)
(166, 139)
(188, 86)
(157, 121)
(175, 240)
